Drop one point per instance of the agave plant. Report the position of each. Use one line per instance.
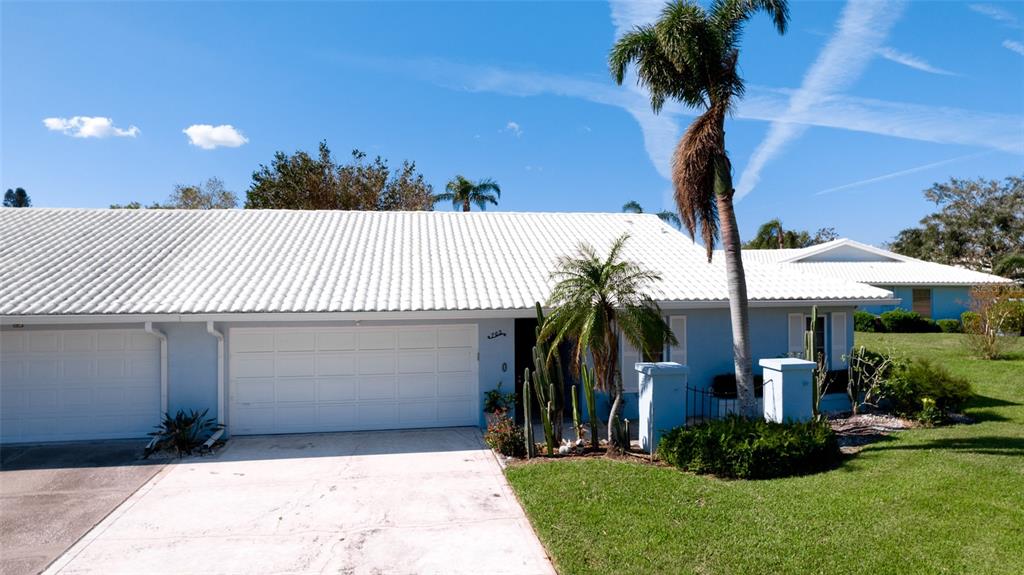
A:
(183, 433)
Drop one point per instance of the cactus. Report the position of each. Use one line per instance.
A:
(576, 423)
(587, 375)
(531, 445)
(549, 384)
(818, 382)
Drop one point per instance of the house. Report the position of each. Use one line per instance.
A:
(282, 321)
(933, 290)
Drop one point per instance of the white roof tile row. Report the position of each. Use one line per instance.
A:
(89, 261)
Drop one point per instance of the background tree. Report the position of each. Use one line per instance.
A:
(978, 222)
(464, 193)
(17, 198)
(690, 54)
(1011, 266)
(208, 195)
(669, 217)
(303, 182)
(771, 235)
(593, 301)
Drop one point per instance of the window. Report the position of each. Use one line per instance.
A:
(923, 301)
(819, 335)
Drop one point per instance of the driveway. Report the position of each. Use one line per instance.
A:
(52, 494)
(419, 501)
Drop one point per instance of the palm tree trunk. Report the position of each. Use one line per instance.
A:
(465, 205)
(738, 313)
(614, 384)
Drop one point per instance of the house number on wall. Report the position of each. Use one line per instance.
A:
(497, 334)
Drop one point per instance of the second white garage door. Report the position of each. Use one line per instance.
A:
(295, 380)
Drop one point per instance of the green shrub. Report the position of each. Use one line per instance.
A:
(903, 321)
(182, 434)
(505, 437)
(950, 326)
(868, 322)
(751, 448)
(497, 401)
(925, 390)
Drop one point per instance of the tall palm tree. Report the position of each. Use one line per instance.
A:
(594, 300)
(461, 191)
(667, 216)
(690, 55)
(17, 198)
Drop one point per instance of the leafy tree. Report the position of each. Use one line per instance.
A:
(771, 235)
(690, 54)
(1011, 266)
(303, 182)
(462, 192)
(978, 222)
(593, 301)
(17, 198)
(209, 195)
(669, 217)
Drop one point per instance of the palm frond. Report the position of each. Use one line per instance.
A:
(671, 218)
(633, 207)
(696, 158)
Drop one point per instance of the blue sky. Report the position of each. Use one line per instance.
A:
(847, 118)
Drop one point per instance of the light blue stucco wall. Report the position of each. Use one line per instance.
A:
(948, 302)
(191, 367)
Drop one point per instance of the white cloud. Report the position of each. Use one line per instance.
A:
(911, 61)
(862, 29)
(209, 137)
(1014, 46)
(89, 127)
(900, 173)
(996, 13)
(513, 128)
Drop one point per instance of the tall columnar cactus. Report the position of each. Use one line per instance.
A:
(587, 375)
(549, 384)
(818, 381)
(531, 445)
(576, 423)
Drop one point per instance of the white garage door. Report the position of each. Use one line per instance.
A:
(76, 384)
(294, 380)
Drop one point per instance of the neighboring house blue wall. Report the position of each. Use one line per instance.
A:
(948, 302)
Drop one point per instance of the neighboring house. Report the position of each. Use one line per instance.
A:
(933, 290)
(284, 321)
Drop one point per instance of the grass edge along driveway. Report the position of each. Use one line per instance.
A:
(940, 500)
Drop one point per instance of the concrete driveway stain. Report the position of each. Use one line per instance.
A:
(412, 501)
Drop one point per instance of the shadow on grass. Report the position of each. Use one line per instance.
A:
(983, 445)
(978, 408)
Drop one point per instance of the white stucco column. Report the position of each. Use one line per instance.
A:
(788, 394)
(662, 400)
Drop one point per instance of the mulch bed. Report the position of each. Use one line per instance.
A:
(856, 431)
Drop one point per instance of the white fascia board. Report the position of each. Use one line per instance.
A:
(827, 247)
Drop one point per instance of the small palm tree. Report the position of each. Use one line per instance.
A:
(461, 191)
(669, 217)
(17, 198)
(594, 300)
(690, 54)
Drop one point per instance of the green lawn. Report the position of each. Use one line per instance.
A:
(942, 500)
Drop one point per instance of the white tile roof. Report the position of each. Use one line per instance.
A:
(85, 261)
(890, 269)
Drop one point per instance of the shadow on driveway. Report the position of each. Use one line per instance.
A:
(52, 494)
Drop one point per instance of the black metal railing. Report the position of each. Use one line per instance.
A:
(705, 404)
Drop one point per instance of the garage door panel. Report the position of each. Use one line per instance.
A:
(336, 364)
(297, 390)
(253, 391)
(41, 342)
(109, 367)
(144, 369)
(456, 336)
(73, 399)
(12, 342)
(13, 370)
(455, 360)
(110, 396)
(417, 386)
(84, 341)
(377, 387)
(295, 341)
(454, 410)
(336, 341)
(43, 400)
(43, 370)
(376, 362)
(337, 389)
(417, 361)
(245, 342)
(417, 338)
(418, 412)
(80, 368)
(364, 377)
(110, 341)
(135, 396)
(371, 338)
(252, 365)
